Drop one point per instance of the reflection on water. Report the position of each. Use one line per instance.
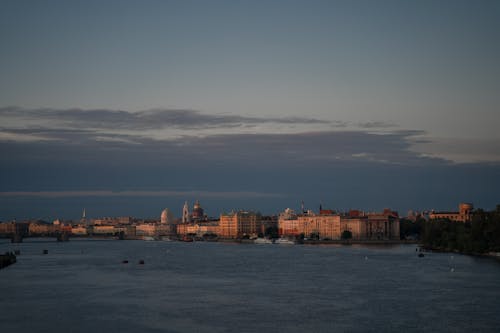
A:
(83, 286)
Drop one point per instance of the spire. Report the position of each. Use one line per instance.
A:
(185, 213)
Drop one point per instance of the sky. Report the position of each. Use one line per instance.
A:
(129, 107)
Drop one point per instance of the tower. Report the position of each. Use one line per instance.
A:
(185, 213)
(83, 220)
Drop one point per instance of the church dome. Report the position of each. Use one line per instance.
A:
(167, 217)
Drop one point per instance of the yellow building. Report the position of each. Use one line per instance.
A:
(325, 226)
(79, 230)
(104, 230)
(146, 229)
(198, 229)
(239, 224)
(371, 226)
(464, 214)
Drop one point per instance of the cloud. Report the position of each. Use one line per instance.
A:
(294, 138)
(290, 150)
(159, 124)
(98, 119)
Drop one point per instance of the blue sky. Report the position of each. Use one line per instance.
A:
(127, 107)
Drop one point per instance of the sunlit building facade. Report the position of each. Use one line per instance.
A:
(464, 214)
(329, 225)
(240, 224)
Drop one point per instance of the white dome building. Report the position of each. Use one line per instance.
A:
(167, 217)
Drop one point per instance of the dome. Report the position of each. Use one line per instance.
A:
(167, 217)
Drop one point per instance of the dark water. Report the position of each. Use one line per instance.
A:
(82, 286)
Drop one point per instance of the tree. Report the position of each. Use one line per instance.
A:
(272, 232)
(314, 235)
(346, 234)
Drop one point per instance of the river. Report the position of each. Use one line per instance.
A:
(84, 286)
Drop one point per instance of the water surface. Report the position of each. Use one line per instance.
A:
(83, 286)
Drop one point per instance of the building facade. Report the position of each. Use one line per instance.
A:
(464, 214)
(240, 224)
(329, 225)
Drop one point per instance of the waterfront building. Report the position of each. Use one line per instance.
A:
(464, 214)
(146, 229)
(330, 225)
(104, 230)
(121, 220)
(14, 228)
(198, 229)
(40, 229)
(323, 226)
(240, 224)
(79, 230)
(384, 225)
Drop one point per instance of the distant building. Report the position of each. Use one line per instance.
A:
(167, 217)
(107, 230)
(145, 229)
(167, 224)
(79, 230)
(185, 213)
(198, 229)
(330, 225)
(240, 224)
(121, 220)
(464, 214)
(7, 228)
(198, 213)
(43, 229)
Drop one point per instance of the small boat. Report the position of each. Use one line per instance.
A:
(284, 241)
(420, 255)
(262, 241)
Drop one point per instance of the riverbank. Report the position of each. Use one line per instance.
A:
(495, 255)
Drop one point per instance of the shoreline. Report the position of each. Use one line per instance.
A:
(493, 255)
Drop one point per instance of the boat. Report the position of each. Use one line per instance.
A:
(187, 239)
(284, 241)
(262, 241)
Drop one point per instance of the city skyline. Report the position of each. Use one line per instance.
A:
(128, 107)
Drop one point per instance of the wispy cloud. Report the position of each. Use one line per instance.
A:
(159, 124)
(98, 119)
